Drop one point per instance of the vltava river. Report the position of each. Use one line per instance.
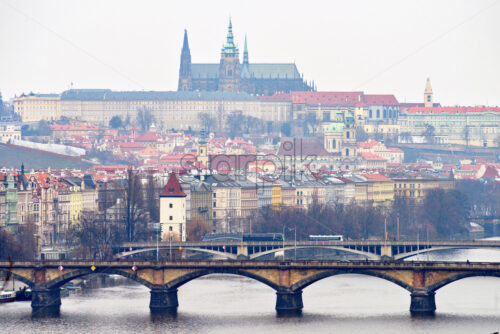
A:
(231, 304)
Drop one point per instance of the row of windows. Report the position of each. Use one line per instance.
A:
(412, 186)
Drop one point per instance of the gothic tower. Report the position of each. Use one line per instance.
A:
(245, 53)
(428, 99)
(185, 82)
(229, 69)
(246, 83)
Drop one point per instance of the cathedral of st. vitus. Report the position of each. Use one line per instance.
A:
(231, 76)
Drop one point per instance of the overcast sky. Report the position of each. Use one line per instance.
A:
(376, 46)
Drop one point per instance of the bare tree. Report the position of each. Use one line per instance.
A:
(197, 229)
(94, 236)
(207, 121)
(153, 198)
(234, 123)
(429, 133)
(136, 218)
(144, 118)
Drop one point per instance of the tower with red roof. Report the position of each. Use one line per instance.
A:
(173, 211)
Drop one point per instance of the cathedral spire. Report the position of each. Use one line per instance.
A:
(229, 47)
(185, 68)
(185, 43)
(245, 52)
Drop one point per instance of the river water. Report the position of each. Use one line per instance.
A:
(232, 304)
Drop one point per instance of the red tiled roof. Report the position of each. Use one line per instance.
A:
(148, 136)
(377, 177)
(368, 144)
(332, 98)
(343, 179)
(316, 98)
(490, 173)
(395, 149)
(301, 147)
(372, 157)
(76, 127)
(450, 110)
(470, 167)
(379, 99)
(172, 188)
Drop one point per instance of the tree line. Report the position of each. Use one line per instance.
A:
(442, 215)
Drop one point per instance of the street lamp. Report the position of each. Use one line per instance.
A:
(170, 244)
(284, 242)
(294, 229)
(157, 229)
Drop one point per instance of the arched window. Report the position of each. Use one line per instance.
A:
(378, 113)
(371, 114)
(334, 144)
(346, 152)
(348, 135)
(385, 113)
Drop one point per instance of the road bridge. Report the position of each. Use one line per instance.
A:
(287, 278)
(374, 250)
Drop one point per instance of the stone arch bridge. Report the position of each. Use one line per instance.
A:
(373, 250)
(287, 278)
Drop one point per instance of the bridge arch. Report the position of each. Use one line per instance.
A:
(459, 276)
(178, 282)
(403, 256)
(228, 255)
(342, 249)
(329, 273)
(18, 277)
(67, 277)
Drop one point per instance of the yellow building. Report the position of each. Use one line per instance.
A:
(381, 188)
(416, 188)
(75, 204)
(375, 189)
(37, 107)
(276, 196)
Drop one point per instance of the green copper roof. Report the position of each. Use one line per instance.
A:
(335, 127)
(245, 52)
(230, 47)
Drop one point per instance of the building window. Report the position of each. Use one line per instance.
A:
(170, 228)
(378, 113)
(170, 218)
(346, 152)
(215, 204)
(170, 205)
(348, 135)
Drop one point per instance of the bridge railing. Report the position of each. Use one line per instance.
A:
(309, 243)
(255, 264)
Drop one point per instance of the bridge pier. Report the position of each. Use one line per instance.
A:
(423, 303)
(289, 303)
(163, 301)
(45, 302)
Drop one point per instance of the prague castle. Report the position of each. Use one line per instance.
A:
(232, 76)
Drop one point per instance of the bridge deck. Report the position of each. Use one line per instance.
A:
(306, 264)
(312, 243)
